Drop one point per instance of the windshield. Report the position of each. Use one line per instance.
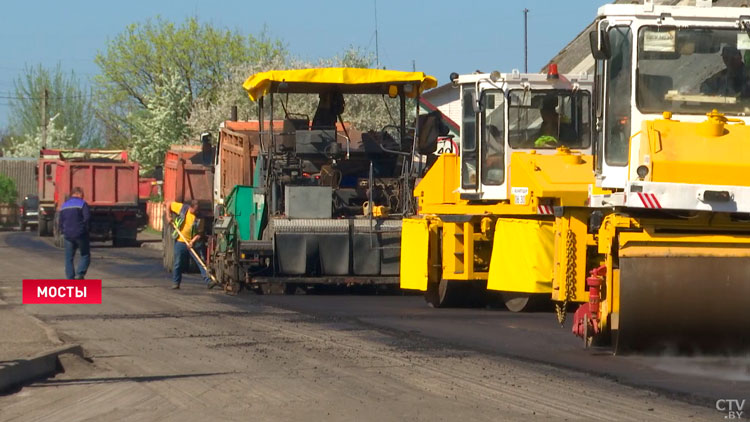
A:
(548, 119)
(693, 70)
(31, 202)
(493, 139)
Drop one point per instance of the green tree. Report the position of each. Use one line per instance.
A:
(70, 114)
(8, 191)
(134, 63)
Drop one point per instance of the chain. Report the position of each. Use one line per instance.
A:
(570, 278)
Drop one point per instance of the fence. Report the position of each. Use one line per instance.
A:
(155, 211)
(8, 214)
(23, 172)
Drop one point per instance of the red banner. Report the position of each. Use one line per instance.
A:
(73, 292)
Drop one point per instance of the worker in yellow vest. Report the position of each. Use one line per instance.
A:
(192, 228)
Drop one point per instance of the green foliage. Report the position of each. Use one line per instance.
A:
(8, 191)
(134, 64)
(70, 112)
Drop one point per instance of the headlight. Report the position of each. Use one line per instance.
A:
(642, 171)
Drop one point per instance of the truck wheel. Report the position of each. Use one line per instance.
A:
(23, 226)
(58, 240)
(522, 302)
(290, 288)
(124, 242)
(446, 293)
(163, 248)
(168, 252)
(50, 227)
(41, 228)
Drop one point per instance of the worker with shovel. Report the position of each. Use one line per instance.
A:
(187, 231)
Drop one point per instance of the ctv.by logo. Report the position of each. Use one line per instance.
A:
(734, 408)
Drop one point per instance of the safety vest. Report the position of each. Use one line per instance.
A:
(180, 223)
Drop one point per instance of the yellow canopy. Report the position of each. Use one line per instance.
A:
(342, 79)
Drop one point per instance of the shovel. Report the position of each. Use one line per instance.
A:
(195, 255)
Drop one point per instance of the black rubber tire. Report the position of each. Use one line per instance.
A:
(523, 302)
(290, 288)
(50, 227)
(23, 227)
(168, 250)
(58, 239)
(446, 293)
(41, 228)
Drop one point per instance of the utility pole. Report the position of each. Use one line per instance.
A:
(45, 100)
(377, 49)
(525, 40)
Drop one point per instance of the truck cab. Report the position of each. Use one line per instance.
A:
(508, 113)
(670, 64)
(525, 148)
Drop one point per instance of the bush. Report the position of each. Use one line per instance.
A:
(8, 192)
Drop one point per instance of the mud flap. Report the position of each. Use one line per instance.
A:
(522, 256)
(415, 246)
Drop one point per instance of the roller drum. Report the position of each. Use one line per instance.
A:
(684, 304)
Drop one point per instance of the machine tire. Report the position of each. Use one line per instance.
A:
(123, 242)
(446, 293)
(290, 288)
(167, 250)
(476, 296)
(58, 239)
(521, 302)
(41, 228)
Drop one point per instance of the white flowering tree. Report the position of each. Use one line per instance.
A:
(365, 112)
(162, 123)
(58, 137)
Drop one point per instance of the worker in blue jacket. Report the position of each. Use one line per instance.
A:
(74, 226)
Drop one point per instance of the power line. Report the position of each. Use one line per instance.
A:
(12, 97)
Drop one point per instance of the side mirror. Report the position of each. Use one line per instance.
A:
(36, 170)
(475, 103)
(600, 45)
(48, 170)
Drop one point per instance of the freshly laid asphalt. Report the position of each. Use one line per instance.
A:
(529, 337)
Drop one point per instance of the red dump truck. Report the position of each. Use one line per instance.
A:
(148, 187)
(188, 175)
(238, 149)
(110, 187)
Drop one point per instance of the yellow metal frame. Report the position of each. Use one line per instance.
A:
(512, 267)
(571, 250)
(466, 236)
(343, 79)
(624, 236)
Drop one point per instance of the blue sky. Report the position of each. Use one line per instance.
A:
(440, 36)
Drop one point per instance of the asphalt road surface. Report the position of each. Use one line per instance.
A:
(194, 354)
